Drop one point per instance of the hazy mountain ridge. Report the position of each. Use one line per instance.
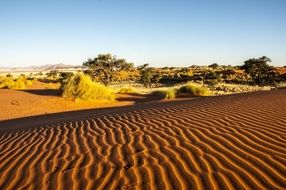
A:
(41, 67)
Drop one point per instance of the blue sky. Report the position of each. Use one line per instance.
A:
(159, 32)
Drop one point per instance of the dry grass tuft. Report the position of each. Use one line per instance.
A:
(166, 94)
(195, 90)
(81, 87)
(127, 90)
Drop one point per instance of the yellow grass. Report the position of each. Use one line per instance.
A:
(81, 87)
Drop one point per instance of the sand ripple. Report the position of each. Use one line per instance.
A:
(232, 142)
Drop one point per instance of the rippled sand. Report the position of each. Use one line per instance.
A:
(229, 142)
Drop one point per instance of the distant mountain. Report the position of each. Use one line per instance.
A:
(51, 67)
(40, 68)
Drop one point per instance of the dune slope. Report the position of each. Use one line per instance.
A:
(230, 142)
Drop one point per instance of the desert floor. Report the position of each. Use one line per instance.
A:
(38, 100)
(226, 142)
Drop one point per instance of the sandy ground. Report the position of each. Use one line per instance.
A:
(37, 100)
(30, 102)
(228, 142)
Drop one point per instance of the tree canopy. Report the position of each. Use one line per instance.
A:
(104, 67)
(146, 75)
(259, 70)
(214, 66)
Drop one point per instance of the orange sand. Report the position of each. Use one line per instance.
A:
(228, 142)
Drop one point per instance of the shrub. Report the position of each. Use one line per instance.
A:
(29, 82)
(82, 87)
(66, 75)
(195, 90)
(6, 82)
(166, 94)
(19, 84)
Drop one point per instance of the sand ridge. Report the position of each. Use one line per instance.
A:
(230, 142)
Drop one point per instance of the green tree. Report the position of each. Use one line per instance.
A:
(146, 75)
(259, 70)
(105, 67)
(214, 66)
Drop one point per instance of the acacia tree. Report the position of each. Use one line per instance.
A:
(214, 66)
(105, 67)
(259, 70)
(146, 75)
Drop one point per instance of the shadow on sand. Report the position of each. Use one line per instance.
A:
(41, 120)
(54, 118)
(136, 98)
(43, 92)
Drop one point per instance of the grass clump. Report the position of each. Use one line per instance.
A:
(29, 82)
(81, 87)
(170, 93)
(196, 90)
(19, 83)
(127, 90)
(166, 94)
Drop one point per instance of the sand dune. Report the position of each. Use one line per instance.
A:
(230, 142)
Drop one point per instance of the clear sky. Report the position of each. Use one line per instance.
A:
(159, 32)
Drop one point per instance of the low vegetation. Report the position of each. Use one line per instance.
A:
(127, 90)
(106, 69)
(81, 87)
(165, 94)
(19, 83)
(6, 82)
(169, 93)
(224, 88)
(195, 90)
